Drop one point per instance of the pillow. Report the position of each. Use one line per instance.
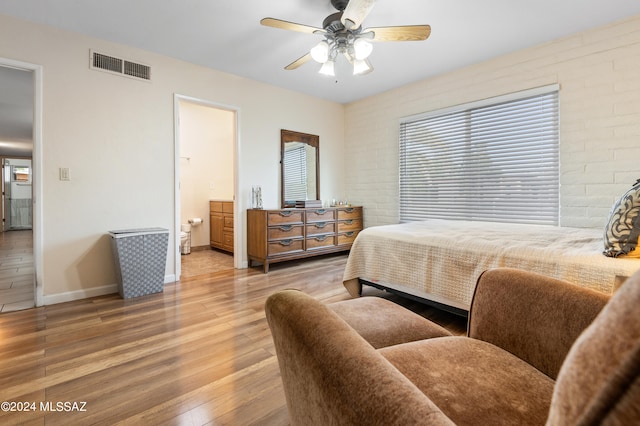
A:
(623, 225)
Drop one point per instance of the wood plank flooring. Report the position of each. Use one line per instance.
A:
(204, 260)
(200, 353)
(17, 277)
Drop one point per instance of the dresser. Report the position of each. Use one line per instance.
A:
(221, 225)
(287, 234)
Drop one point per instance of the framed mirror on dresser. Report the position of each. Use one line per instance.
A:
(300, 167)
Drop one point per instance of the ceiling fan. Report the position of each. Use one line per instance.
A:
(344, 35)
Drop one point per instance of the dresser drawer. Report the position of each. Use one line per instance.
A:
(349, 225)
(284, 246)
(347, 237)
(228, 239)
(320, 215)
(317, 228)
(284, 232)
(285, 216)
(227, 207)
(349, 213)
(320, 241)
(228, 221)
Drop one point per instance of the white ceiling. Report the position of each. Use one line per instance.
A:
(227, 35)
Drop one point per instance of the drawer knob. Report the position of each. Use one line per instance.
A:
(321, 224)
(349, 222)
(349, 209)
(349, 234)
(286, 213)
(286, 242)
(321, 211)
(286, 228)
(321, 237)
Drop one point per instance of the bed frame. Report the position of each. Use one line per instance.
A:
(443, 307)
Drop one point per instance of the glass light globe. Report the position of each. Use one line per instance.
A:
(328, 69)
(320, 52)
(362, 49)
(361, 67)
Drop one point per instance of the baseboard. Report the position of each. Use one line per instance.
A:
(70, 296)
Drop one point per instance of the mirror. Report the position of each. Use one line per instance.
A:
(300, 174)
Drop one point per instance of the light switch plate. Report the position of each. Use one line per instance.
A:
(64, 173)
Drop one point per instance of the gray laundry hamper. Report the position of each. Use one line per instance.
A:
(140, 257)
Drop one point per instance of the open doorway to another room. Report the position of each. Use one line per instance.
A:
(206, 144)
(17, 268)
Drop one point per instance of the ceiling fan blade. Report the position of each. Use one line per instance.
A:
(298, 62)
(355, 12)
(401, 33)
(291, 26)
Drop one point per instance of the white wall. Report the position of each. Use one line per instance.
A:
(207, 144)
(599, 76)
(116, 136)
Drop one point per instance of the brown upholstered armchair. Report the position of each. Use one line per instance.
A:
(538, 350)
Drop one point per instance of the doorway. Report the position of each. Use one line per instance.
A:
(21, 142)
(17, 194)
(206, 144)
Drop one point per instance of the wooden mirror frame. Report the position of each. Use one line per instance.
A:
(312, 140)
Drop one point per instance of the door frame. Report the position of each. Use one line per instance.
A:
(237, 234)
(38, 211)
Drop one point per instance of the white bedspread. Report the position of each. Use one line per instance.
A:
(441, 260)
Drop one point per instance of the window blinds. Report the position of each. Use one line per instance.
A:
(494, 162)
(295, 173)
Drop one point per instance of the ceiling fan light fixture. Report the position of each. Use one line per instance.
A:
(344, 36)
(328, 69)
(361, 67)
(362, 49)
(320, 52)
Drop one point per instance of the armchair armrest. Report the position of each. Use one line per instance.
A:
(536, 318)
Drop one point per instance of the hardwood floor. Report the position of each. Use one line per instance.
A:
(200, 353)
(204, 260)
(16, 271)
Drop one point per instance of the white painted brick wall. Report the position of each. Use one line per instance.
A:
(599, 76)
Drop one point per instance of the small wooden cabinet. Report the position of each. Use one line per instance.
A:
(221, 225)
(287, 234)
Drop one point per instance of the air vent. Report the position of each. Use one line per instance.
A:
(120, 66)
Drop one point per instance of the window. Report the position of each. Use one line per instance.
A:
(495, 160)
(295, 172)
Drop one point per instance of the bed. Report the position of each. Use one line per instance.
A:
(440, 260)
